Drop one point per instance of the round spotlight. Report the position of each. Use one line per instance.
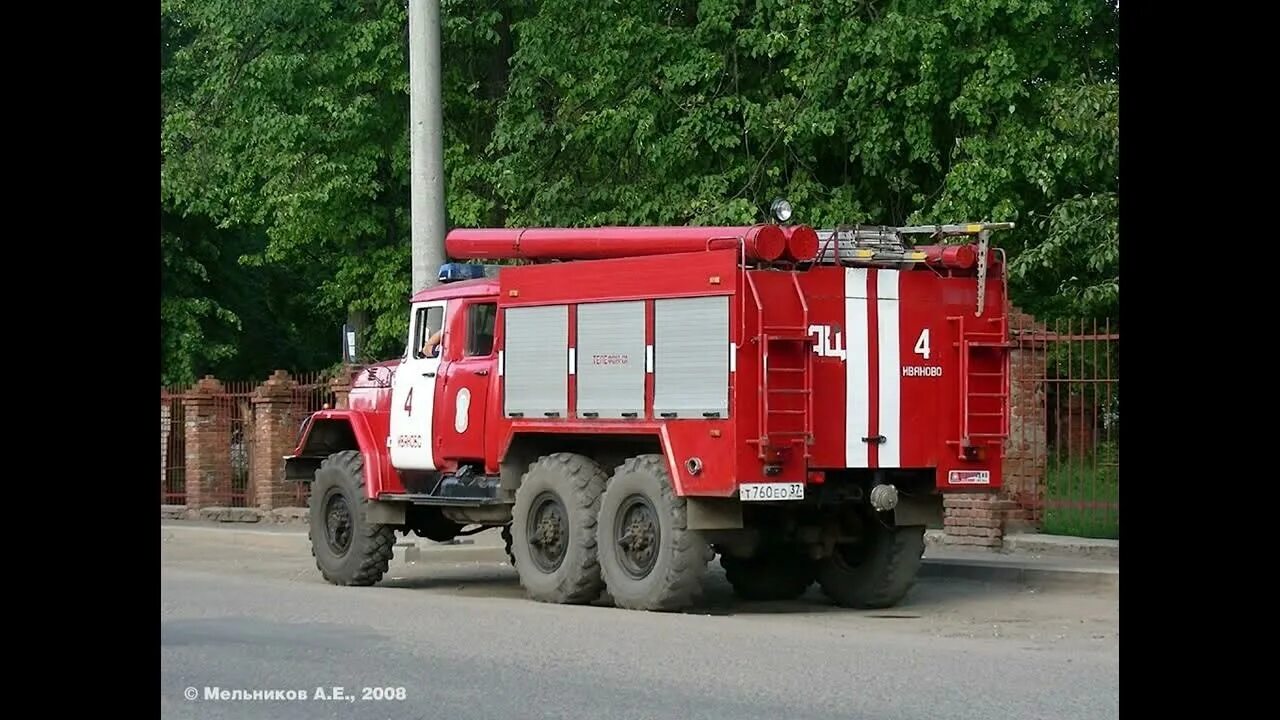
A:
(781, 209)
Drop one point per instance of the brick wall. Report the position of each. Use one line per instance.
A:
(974, 519)
(1026, 449)
(208, 441)
(1077, 424)
(274, 434)
(341, 388)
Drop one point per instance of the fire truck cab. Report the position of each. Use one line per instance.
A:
(628, 403)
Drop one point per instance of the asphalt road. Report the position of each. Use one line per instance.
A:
(458, 641)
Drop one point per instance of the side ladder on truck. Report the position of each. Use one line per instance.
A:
(984, 382)
(785, 369)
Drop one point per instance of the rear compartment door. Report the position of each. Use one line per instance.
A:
(873, 369)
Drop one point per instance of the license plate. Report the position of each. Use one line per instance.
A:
(770, 491)
(969, 477)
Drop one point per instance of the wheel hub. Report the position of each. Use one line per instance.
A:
(548, 526)
(337, 524)
(637, 533)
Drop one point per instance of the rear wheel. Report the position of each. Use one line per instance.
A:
(649, 558)
(877, 572)
(349, 550)
(553, 529)
(506, 544)
(779, 572)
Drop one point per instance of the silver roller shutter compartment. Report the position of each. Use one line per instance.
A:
(611, 359)
(536, 361)
(691, 357)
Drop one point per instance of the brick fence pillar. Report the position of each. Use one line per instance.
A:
(275, 433)
(1026, 450)
(341, 387)
(208, 457)
(974, 519)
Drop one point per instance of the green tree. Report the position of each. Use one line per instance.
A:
(284, 130)
(642, 112)
(290, 116)
(188, 316)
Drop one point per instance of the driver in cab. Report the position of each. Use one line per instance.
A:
(431, 347)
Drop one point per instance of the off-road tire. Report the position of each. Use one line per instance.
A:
(577, 482)
(367, 553)
(885, 572)
(775, 573)
(674, 581)
(506, 544)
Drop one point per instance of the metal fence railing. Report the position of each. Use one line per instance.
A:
(229, 438)
(1071, 369)
(173, 448)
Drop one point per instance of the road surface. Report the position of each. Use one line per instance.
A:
(456, 640)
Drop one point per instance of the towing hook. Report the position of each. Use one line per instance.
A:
(884, 497)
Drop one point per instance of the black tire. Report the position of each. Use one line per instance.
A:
(664, 572)
(553, 529)
(506, 544)
(349, 550)
(775, 573)
(877, 573)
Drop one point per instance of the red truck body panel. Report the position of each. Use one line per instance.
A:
(830, 368)
(370, 428)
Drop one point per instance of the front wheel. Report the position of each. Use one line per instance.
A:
(649, 558)
(349, 550)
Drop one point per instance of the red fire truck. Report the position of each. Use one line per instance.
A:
(626, 403)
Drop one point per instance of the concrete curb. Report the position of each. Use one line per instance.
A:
(287, 539)
(279, 516)
(1022, 574)
(1036, 544)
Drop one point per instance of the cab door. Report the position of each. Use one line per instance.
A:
(413, 392)
(471, 368)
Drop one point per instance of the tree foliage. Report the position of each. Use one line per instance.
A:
(286, 121)
(188, 313)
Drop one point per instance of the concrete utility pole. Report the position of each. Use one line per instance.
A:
(426, 142)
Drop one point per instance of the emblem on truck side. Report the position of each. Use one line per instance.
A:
(828, 344)
(831, 343)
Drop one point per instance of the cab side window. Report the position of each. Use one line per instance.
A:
(481, 319)
(427, 324)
